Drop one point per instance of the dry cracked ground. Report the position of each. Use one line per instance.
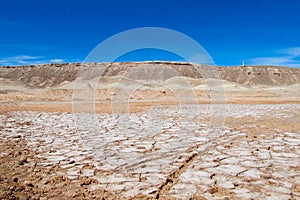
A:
(164, 153)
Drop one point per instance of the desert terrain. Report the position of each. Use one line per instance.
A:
(149, 130)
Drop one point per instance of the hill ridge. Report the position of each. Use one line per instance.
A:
(49, 75)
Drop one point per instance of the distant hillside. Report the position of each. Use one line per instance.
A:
(262, 75)
(50, 75)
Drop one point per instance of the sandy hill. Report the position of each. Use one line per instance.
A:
(50, 75)
(54, 87)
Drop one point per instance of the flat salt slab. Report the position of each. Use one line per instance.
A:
(228, 169)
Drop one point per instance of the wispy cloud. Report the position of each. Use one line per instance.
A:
(57, 60)
(27, 60)
(19, 60)
(286, 57)
(295, 51)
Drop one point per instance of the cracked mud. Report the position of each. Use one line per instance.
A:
(157, 154)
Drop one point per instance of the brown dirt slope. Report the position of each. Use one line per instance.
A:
(50, 75)
(262, 75)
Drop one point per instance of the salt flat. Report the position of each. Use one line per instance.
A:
(164, 153)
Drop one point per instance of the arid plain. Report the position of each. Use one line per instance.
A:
(149, 130)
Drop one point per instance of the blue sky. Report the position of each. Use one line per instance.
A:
(261, 32)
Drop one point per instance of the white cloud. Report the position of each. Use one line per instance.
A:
(57, 60)
(271, 60)
(285, 57)
(19, 60)
(295, 51)
(27, 60)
